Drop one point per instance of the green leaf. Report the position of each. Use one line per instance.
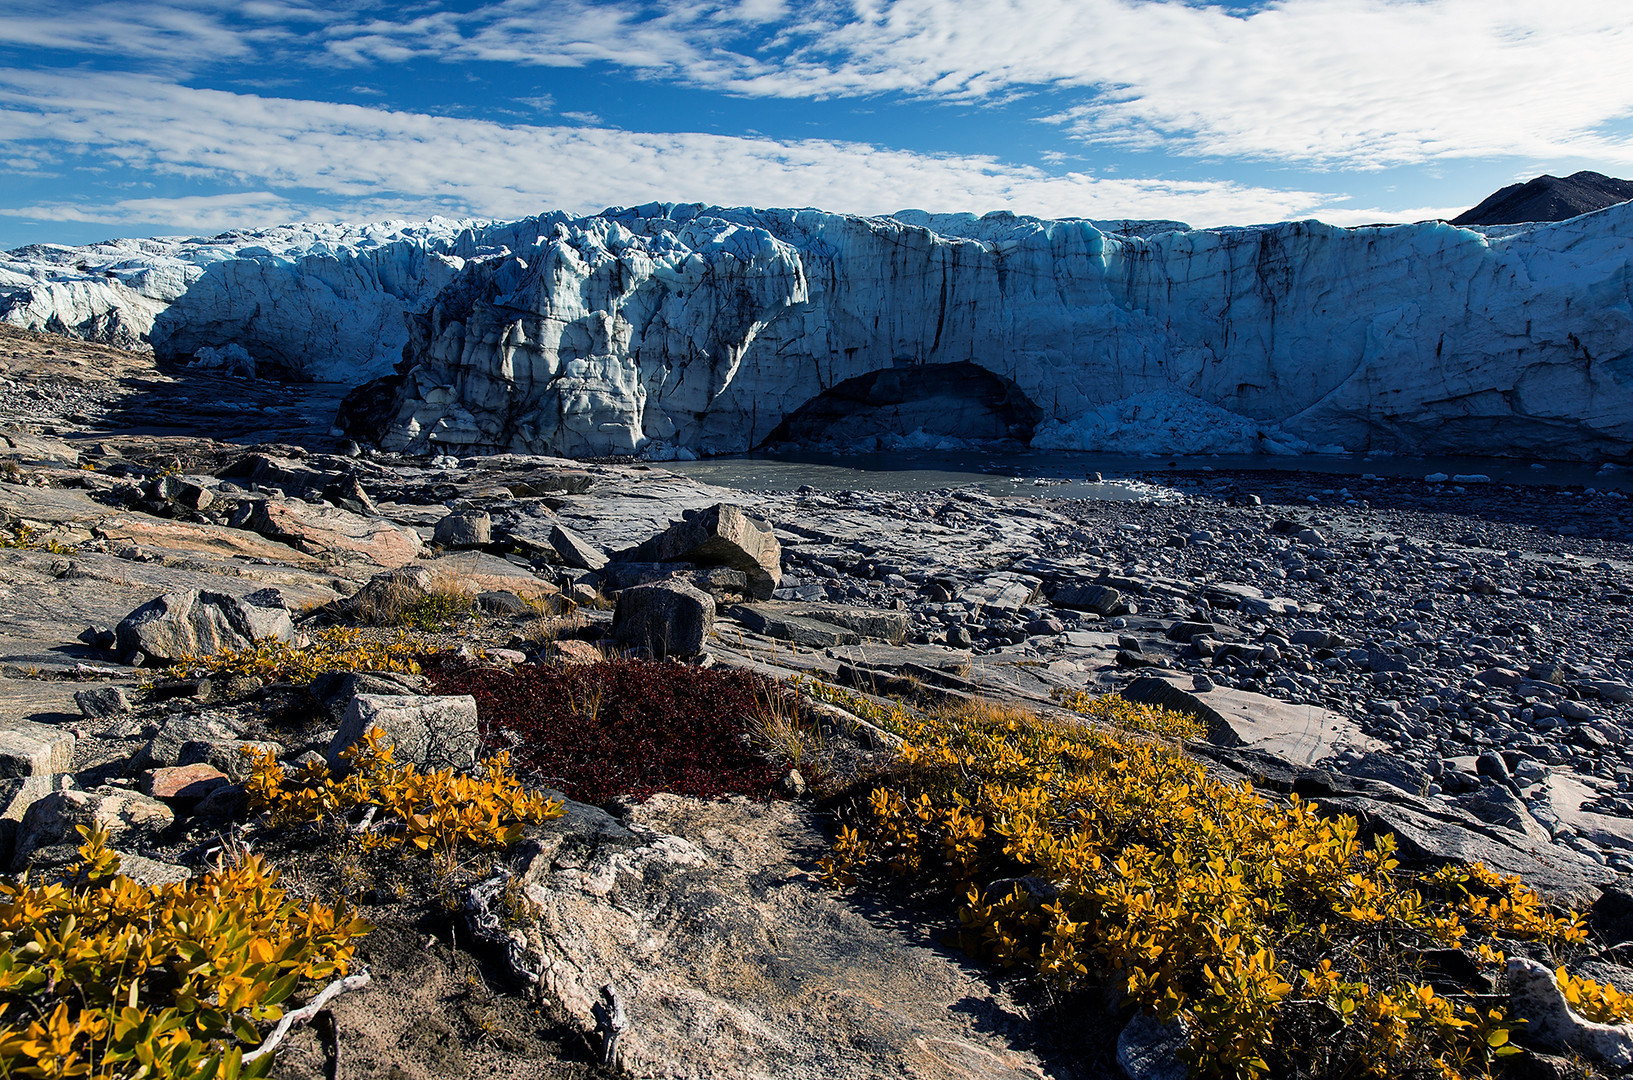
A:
(280, 990)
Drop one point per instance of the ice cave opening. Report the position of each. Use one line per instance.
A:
(925, 405)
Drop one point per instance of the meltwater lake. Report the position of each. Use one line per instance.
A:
(1065, 475)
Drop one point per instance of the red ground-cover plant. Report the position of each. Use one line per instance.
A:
(624, 727)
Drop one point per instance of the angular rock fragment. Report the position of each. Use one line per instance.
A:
(102, 702)
(1100, 599)
(575, 551)
(334, 690)
(196, 623)
(571, 651)
(671, 618)
(30, 749)
(233, 757)
(617, 576)
(184, 785)
(178, 733)
(438, 732)
(721, 536)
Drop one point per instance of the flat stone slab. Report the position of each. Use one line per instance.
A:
(734, 964)
(331, 531)
(792, 628)
(837, 623)
(1002, 592)
(36, 699)
(57, 506)
(883, 655)
(1302, 734)
(181, 536)
(477, 571)
(1566, 795)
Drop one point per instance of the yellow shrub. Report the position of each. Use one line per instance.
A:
(435, 811)
(1604, 1004)
(106, 977)
(26, 536)
(336, 649)
(1127, 715)
(1197, 898)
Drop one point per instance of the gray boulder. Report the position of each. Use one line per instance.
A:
(51, 822)
(465, 529)
(671, 618)
(1081, 596)
(721, 536)
(102, 702)
(434, 732)
(196, 623)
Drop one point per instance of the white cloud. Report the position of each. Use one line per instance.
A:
(1339, 83)
(321, 159)
(188, 33)
(246, 208)
(1356, 83)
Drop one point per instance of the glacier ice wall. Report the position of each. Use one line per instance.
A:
(682, 328)
(325, 302)
(678, 328)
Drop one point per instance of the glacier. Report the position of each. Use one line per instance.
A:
(679, 329)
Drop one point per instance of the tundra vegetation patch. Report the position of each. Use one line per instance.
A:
(1281, 942)
(105, 977)
(623, 727)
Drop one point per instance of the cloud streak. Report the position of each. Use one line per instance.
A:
(326, 160)
(1352, 83)
(1330, 84)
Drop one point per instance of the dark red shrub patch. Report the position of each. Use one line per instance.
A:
(625, 727)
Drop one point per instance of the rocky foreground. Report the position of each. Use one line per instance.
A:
(1452, 666)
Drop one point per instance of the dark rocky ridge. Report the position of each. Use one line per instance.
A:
(1548, 198)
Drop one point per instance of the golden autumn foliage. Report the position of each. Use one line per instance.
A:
(1091, 857)
(25, 536)
(435, 811)
(335, 649)
(1602, 1004)
(104, 977)
(1130, 716)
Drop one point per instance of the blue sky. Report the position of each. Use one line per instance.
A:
(155, 117)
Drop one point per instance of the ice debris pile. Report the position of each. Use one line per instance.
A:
(670, 330)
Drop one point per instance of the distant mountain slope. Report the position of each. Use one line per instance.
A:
(1549, 198)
